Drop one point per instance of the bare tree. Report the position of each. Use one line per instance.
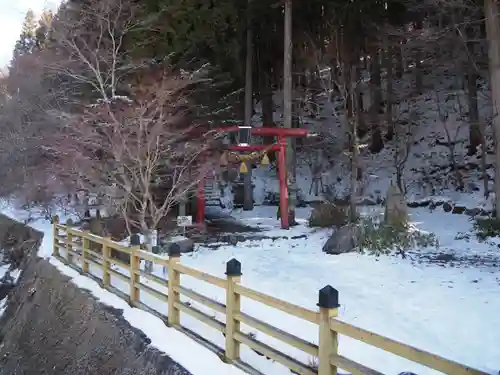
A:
(87, 60)
(88, 45)
(27, 124)
(404, 141)
(452, 139)
(491, 10)
(141, 151)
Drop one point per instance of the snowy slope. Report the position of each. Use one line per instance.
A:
(427, 170)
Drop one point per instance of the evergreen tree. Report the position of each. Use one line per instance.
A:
(27, 39)
(43, 30)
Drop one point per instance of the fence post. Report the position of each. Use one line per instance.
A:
(69, 239)
(55, 233)
(328, 303)
(134, 276)
(174, 280)
(233, 305)
(85, 247)
(106, 254)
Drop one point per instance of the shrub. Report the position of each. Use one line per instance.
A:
(486, 227)
(327, 215)
(379, 238)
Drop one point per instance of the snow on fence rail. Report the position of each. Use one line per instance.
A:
(91, 249)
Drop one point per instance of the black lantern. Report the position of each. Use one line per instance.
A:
(244, 135)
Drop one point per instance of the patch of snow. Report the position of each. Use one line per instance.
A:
(3, 306)
(192, 356)
(15, 274)
(4, 268)
(189, 354)
(178, 238)
(429, 306)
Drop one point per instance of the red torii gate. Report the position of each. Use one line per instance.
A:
(244, 145)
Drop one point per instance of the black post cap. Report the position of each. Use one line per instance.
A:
(233, 268)
(174, 250)
(328, 297)
(135, 240)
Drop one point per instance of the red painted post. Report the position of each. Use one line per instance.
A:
(281, 133)
(200, 206)
(283, 183)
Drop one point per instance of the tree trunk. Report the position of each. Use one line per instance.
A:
(472, 77)
(400, 61)
(377, 143)
(86, 205)
(247, 178)
(266, 99)
(389, 90)
(148, 243)
(352, 121)
(493, 33)
(287, 113)
(474, 126)
(419, 73)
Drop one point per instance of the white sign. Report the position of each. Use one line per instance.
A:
(184, 221)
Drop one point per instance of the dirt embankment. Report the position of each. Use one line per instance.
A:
(52, 327)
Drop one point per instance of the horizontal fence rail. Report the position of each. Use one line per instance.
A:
(82, 248)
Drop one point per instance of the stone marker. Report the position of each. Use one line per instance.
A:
(396, 211)
(343, 240)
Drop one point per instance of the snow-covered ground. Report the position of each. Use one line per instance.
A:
(450, 311)
(168, 340)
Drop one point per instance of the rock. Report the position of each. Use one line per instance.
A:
(445, 257)
(344, 240)
(395, 207)
(416, 204)
(328, 215)
(185, 244)
(301, 203)
(458, 210)
(447, 207)
(473, 212)
(233, 239)
(484, 213)
(271, 199)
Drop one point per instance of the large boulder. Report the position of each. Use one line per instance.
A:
(186, 245)
(328, 215)
(343, 240)
(396, 211)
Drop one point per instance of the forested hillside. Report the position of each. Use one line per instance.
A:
(100, 94)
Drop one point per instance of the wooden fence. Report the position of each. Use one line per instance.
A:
(82, 248)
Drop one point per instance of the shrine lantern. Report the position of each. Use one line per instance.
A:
(244, 135)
